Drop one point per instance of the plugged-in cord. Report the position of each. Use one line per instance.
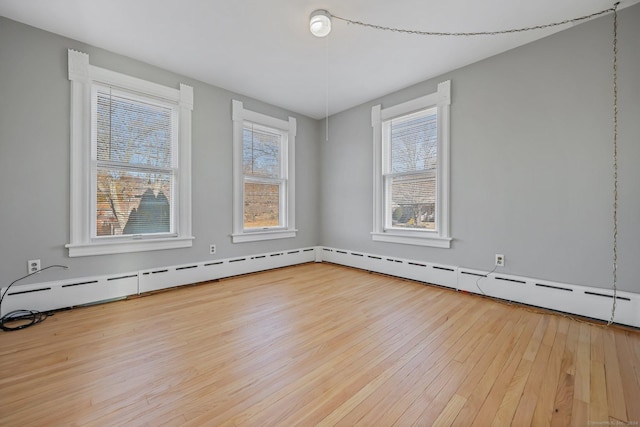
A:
(32, 316)
(538, 310)
(482, 277)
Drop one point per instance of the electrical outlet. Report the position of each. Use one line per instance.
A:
(212, 249)
(33, 266)
(499, 260)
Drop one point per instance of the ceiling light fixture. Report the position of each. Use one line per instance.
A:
(320, 23)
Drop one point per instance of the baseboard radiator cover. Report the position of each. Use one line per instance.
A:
(48, 296)
(162, 278)
(59, 294)
(585, 301)
(595, 303)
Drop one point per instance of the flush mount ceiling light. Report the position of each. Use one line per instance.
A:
(320, 23)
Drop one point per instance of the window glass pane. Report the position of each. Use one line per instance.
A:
(260, 152)
(261, 205)
(134, 132)
(413, 199)
(132, 202)
(414, 142)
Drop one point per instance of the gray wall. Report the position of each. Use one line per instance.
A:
(531, 161)
(34, 162)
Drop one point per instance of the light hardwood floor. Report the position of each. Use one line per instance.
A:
(317, 344)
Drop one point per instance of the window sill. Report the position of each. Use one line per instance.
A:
(256, 236)
(418, 240)
(106, 248)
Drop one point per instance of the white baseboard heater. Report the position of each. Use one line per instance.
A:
(162, 278)
(54, 295)
(595, 303)
(590, 302)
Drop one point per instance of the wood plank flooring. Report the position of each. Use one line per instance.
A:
(317, 344)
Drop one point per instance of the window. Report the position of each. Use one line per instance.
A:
(130, 162)
(411, 177)
(263, 179)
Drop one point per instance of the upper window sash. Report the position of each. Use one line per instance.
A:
(173, 106)
(282, 147)
(387, 139)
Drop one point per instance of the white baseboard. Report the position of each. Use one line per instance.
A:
(47, 296)
(585, 301)
(54, 295)
(161, 278)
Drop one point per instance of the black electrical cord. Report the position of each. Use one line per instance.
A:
(33, 316)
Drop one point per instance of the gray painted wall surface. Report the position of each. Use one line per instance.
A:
(531, 161)
(34, 162)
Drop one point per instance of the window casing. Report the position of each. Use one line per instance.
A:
(130, 162)
(263, 177)
(411, 171)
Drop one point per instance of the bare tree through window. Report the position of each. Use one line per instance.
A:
(262, 169)
(411, 179)
(134, 180)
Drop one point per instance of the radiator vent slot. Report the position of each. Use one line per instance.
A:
(79, 284)
(417, 264)
(186, 268)
(341, 252)
(209, 264)
(395, 260)
(435, 267)
(259, 257)
(374, 257)
(122, 277)
(473, 274)
(28, 292)
(554, 287)
(511, 280)
(159, 271)
(278, 254)
(606, 296)
(308, 250)
(237, 260)
(356, 254)
(327, 249)
(293, 252)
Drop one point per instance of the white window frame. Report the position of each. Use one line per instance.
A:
(84, 77)
(440, 237)
(288, 129)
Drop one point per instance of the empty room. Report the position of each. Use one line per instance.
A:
(308, 213)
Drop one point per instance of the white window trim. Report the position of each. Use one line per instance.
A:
(82, 76)
(441, 237)
(239, 234)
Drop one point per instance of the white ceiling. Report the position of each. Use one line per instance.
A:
(263, 49)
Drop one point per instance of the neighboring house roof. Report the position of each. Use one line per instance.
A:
(414, 189)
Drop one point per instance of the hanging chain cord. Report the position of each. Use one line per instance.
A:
(477, 33)
(613, 9)
(615, 162)
(326, 88)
